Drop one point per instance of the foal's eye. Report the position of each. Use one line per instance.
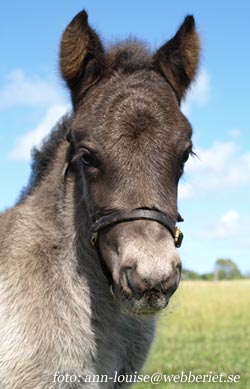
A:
(88, 158)
(184, 159)
(185, 156)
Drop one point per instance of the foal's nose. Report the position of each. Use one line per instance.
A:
(137, 285)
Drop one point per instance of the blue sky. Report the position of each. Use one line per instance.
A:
(214, 195)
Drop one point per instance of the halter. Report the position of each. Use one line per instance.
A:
(137, 214)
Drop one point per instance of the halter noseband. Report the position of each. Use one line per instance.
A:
(137, 214)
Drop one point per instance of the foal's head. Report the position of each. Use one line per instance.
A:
(130, 141)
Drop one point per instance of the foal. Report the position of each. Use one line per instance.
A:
(88, 255)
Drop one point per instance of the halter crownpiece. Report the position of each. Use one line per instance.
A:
(138, 214)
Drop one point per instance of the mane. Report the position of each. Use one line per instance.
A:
(43, 156)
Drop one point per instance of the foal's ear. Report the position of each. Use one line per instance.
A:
(81, 56)
(178, 59)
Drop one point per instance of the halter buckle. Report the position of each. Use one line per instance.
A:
(94, 238)
(178, 237)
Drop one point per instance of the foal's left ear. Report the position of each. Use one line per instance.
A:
(81, 56)
(178, 59)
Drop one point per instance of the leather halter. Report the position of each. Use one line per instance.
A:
(137, 214)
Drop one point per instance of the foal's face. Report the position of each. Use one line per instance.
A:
(133, 142)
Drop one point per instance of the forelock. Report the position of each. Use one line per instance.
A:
(129, 56)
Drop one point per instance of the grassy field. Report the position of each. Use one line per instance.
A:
(206, 328)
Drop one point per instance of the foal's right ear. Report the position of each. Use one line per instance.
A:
(81, 56)
(177, 60)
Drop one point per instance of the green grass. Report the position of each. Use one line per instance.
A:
(206, 328)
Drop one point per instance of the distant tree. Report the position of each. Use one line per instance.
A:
(190, 275)
(226, 269)
(207, 276)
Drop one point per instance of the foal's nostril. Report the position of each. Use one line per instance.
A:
(133, 283)
(170, 285)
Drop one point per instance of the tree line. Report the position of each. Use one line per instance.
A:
(224, 269)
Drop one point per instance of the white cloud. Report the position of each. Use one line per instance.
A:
(221, 166)
(185, 191)
(24, 144)
(227, 226)
(198, 94)
(235, 133)
(23, 91)
(229, 217)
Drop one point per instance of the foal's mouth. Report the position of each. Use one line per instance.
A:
(134, 306)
